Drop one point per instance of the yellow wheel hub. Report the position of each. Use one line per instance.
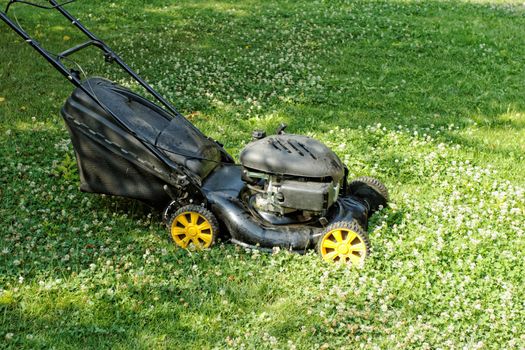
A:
(191, 227)
(192, 231)
(343, 249)
(343, 245)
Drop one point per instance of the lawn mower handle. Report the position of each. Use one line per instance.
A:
(55, 60)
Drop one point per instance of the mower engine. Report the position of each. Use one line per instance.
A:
(290, 178)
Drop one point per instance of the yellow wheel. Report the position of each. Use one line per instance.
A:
(193, 226)
(344, 242)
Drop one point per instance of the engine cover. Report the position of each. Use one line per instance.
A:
(293, 155)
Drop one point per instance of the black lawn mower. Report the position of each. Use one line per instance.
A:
(289, 191)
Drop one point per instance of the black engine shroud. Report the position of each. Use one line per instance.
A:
(294, 155)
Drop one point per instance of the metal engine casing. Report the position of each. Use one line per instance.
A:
(289, 173)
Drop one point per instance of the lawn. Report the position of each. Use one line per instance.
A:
(428, 96)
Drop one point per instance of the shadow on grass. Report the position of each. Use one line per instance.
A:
(434, 63)
(105, 326)
(184, 312)
(394, 63)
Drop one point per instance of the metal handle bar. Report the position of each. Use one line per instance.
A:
(11, 2)
(55, 61)
(109, 54)
(114, 57)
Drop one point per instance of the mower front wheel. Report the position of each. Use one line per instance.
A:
(193, 226)
(344, 241)
(371, 190)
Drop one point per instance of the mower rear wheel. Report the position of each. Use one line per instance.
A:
(193, 226)
(344, 241)
(371, 190)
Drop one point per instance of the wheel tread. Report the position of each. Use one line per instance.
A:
(352, 225)
(200, 210)
(377, 185)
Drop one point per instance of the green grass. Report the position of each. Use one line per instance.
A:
(426, 95)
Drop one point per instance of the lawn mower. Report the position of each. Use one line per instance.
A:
(288, 191)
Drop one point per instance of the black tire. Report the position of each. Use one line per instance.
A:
(333, 246)
(370, 190)
(193, 224)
